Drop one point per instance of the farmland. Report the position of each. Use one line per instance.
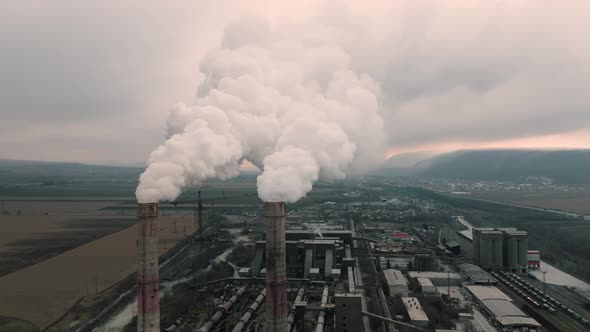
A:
(41, 293)
(68, 231)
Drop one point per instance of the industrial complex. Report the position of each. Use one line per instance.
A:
(318, 268)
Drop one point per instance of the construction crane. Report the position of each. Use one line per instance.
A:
(199, 209)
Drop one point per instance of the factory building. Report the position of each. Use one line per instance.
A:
(499, 306)
(438, 278)
(416, 314)
(476, 274)
(500, 249)
(398, 263)
(348, 312)
(396, 282)
(426, 286)
(306, 258)
(423, 262)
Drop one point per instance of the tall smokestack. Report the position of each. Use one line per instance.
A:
(276, 275)
(148, 281)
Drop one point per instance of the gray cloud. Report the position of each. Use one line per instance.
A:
(78, 76)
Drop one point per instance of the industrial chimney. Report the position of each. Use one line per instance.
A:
(148, 281)
(276, 272)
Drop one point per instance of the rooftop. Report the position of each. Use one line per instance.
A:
(517, 321)
(477, 274)
(502, 308)
(395, 277)
(414, 309)
(425, 282)
(488, 293)
(434, 275)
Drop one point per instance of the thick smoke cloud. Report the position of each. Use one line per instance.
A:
(287, 101)
(462, 73)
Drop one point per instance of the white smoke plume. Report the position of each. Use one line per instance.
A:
(286, 100)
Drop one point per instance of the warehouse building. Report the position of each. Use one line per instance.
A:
(476, 274)
(426, 286)
(396, 282)
(416, 314)
(499, 306)
(438, 278)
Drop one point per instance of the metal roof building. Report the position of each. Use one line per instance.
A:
(499, 305)
(438, 278)
(415, 312)
(396, 281)
(426, 286)
(476, 274)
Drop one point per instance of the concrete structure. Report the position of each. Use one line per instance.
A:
(276, 273)
(438, 278)
(415, 312)
(426, 286)
(516, 250)
(476, 242)
(398, 263)
(491, 246)
(423, 262)
(396, 282)
(244, 272)
(498, 305)
(348, 312)
(321, 255)
(500, 249)
(476, 274)
(148, 280)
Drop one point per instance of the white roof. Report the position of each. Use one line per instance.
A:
(434, 275)
(488, 293)
(425, 282)
(414, 309)
(502, 308)
(395, 277)
(517, 321)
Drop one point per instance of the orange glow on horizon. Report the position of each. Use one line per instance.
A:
(571, 140)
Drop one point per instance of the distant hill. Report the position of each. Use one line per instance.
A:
(409, 159)
(563, 166)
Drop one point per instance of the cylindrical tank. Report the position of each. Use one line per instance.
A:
(251, 310)
(523, 249)
(148, 281)
(498, 252)
(276, 272)
(223, 309)
(322, 315)
(291, 317)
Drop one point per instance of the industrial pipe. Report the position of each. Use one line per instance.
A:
(291, 317)
(276, 271)
(148, 281)
(322, 315)
(223, 309)
(251, 310)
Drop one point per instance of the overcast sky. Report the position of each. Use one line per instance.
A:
(94, 81)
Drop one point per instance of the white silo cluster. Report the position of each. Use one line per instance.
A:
(500, 249)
